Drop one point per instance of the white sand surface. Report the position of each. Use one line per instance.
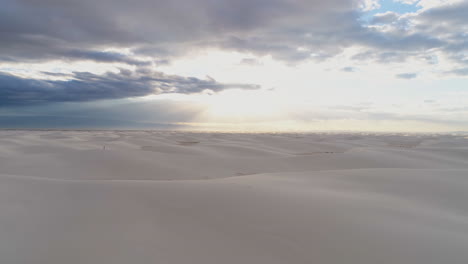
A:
(120, 197)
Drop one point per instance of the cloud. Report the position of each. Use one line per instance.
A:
(460, 72)
(348, 69)
(148, 33)
(450, 29)
(100, 56)
(86, 86)
(37, 54)
(289, 30)
(407, 76)
(408, 2)
(154, 31)
(250, 62)
(454, 13)
(385, 18)
(368, 5)
(162, 27)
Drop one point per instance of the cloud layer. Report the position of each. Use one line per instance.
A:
(288, 29)
(86, 86)
(140, 36)
(52, 28)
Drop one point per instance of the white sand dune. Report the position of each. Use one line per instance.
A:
(115, 197)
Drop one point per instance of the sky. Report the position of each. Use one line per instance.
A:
(235, 65)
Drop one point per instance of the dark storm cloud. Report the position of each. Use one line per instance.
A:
(85, 86)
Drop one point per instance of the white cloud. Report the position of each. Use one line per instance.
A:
(368, 5)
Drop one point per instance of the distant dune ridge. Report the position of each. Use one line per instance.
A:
(120, 197)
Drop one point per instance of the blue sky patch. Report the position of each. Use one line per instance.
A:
(390, 5)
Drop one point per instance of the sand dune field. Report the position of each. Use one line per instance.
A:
(121, 197)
